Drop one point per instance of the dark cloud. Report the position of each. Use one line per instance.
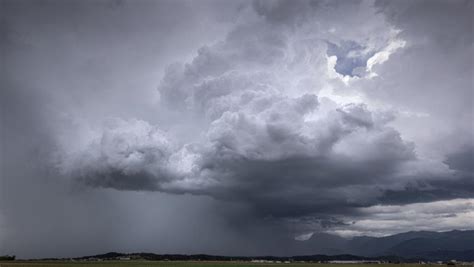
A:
(263, 141)
(63, 60)
(462, 160)
(284, 11)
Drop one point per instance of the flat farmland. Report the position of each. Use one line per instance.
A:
(193, 264)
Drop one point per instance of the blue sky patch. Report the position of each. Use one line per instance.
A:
(351, 57)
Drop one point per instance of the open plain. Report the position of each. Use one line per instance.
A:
(194, 264)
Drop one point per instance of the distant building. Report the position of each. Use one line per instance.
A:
(356, 261)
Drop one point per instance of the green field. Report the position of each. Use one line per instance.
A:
(194, 264)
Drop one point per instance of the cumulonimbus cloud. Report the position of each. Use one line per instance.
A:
(265, 137)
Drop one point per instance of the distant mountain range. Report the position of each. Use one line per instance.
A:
(409, 246)
(422, 244)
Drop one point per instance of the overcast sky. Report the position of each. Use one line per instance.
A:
(216, 126)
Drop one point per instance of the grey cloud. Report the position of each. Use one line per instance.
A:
(262, 145)
(125, 155)
(444, 77)
(264, 138)
(261, 141)
(284, 11)
(72, 65)
(432, 19)
(462, 160)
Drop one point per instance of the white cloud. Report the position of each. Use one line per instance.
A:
(383, 55)
(381, 220)
(304, 237)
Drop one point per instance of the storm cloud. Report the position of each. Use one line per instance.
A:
(289, 116)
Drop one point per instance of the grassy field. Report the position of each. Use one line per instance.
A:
(193, 264)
